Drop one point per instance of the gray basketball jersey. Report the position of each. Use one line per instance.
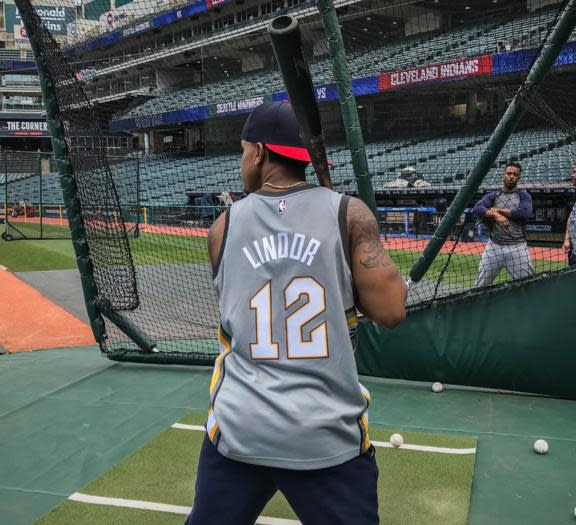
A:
(285, 390)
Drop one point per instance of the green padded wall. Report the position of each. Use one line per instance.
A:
(519, 337)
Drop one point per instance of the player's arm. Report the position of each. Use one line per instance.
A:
(567, 245)
(484, 207)
(381, 291)
(524, 210)
(215, 237)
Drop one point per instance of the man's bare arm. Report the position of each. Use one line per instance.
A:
(380, 289)
(215, 236)
(567, 245)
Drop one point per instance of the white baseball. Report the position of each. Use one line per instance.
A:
(437, 387)
(396, 440)
(541, 446)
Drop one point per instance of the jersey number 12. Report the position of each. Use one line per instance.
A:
(297, 347)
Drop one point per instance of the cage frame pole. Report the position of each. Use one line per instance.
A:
(348, 105)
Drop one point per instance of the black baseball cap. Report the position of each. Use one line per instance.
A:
(275, 125)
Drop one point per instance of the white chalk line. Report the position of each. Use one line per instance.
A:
(161, 507)
(380, 444)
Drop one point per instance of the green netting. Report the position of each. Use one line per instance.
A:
(172, 82)
(32, 204)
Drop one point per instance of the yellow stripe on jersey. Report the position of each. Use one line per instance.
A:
(211, 425)
(366, 444)
(365, 393)
(364, 418)
(352, 319)
(224, 351)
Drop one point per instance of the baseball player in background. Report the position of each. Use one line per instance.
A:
(569, 244)
(509, 209)
(291, 263)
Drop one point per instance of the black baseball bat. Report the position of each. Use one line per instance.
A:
(287, 44)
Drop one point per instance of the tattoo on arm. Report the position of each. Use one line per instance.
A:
(366, 238)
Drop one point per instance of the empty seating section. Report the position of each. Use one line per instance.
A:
(434, 47)
(547, 156)
(27, 186)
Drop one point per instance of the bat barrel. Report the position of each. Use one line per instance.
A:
(282, 25)
(287, 44)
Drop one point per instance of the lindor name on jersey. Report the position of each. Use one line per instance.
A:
(281, 245)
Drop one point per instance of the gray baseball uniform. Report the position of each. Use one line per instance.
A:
(506, 247)
(572, 231)
(285, 390)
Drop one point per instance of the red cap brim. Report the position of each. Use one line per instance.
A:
(293, 152)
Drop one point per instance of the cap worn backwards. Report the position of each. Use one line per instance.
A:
(275, 125)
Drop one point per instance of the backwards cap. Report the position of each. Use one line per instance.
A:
(275, 125)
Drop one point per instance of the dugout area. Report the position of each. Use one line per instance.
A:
(69, 415)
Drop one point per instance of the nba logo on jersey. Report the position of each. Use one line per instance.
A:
(282, 207)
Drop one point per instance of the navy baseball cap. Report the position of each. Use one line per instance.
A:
(275, 125)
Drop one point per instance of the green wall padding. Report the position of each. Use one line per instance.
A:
(520, 337)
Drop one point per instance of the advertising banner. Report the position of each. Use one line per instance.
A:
(456, 69)
(238, 106)
(517, 61)
(55, 17)
(24, 128)
(323, 93)
(161, 119)
(21, 40)
(364, 86)
(215, 3)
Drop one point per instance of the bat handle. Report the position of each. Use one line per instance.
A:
(317, 150)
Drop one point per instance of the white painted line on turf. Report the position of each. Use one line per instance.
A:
(381, 444)
(265, 520)
(130, 503)
(182, 426)
(162, 507)
(3, 268)
(425, 448)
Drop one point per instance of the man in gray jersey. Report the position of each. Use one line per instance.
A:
(569, 245)
(509, 209)
(291, 263)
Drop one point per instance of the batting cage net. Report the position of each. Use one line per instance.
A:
(32, 204)
(151, 97)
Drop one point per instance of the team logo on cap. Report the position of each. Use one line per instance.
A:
(282, 207)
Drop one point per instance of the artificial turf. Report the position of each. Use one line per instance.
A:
(415, 487)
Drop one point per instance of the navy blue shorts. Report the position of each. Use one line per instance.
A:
(230, 492)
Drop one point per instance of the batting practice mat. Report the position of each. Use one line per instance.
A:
(427, 480)
(70, 417)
